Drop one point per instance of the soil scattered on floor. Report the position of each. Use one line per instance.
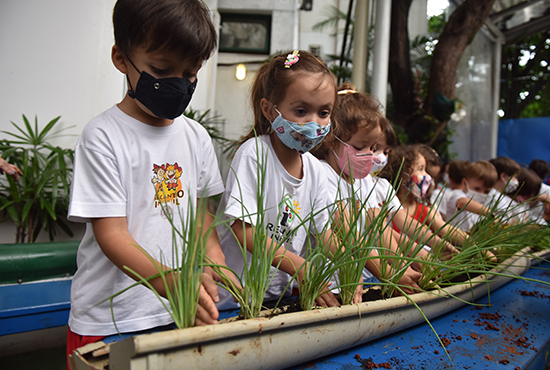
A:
(369, 364)
(534, 293)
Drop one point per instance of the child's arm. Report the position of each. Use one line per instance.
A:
(388, 240)
(410, 226)
(408, 282)
(120, 247)
(284, 259)
(214, 251)
(471, 205)
(332, 242)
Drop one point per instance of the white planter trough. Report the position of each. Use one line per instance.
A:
(287, 339)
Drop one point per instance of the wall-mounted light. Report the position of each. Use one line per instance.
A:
(240, 72)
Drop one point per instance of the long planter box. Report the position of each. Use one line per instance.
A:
(288, 339)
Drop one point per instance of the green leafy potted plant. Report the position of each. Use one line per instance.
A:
(39, 199)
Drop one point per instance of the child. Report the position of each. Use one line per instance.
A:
(536, 205)
(434, 168)
(406, 169)
(466, 198)
(123, 156)
(348, 158)
(498, 199)
(292, 98)
(542, 169)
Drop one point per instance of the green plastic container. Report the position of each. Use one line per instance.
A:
(20, 263)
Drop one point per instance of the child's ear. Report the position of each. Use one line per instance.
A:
(503, 178)
(119, 60)
(267, 109)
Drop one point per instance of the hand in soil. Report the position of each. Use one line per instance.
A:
(408, 282)
(358, 296)
(327, 299)
(207, 313)
(229, 274)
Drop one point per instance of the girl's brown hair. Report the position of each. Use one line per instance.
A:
(272, 81)
(353, 110)
(400, 161)
(529, 184)
(505, 165)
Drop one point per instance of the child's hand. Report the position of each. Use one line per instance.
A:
(327, 299)
(408, 282)
(216, 277)
(358, 296)
(207, 313)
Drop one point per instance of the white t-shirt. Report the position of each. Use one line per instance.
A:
(287, 202)
(439, 199)
(503, 205)
(361, 191)
(385, 194)
(463, 220)
(119, 164)
(365, 197)
(544, 189)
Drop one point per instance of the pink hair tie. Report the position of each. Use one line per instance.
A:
(292, 59)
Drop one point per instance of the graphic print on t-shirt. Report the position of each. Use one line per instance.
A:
(168, 188)
(289, 209)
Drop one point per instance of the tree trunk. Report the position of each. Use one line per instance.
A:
(400, 74)
(459, 31)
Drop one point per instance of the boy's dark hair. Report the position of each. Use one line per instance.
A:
(505, 165)
(182, 27)
(457, 171)
(541, 168)
(529, 183)
(482, 170)
(353, 110)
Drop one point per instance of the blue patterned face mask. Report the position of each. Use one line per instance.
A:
(301, 137)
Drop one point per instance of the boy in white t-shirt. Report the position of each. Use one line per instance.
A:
(137, 161)
(465, 202)
(498, 199)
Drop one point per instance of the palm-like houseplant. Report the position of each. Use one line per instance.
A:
(39, 199)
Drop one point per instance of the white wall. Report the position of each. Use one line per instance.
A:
(55, 60)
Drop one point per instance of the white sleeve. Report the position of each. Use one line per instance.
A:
(210, 181)
(241, 198)
(386, 194)
(96, 190)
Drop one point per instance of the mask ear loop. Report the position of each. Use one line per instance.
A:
(131, 90)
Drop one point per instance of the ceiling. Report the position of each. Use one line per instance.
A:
(519, 18)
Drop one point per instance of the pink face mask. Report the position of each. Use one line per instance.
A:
(360, 162)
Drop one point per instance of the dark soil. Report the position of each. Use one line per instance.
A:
(369, 364)
(534, 293)
(292, 304)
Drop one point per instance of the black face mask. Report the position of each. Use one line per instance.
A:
(164, 97)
